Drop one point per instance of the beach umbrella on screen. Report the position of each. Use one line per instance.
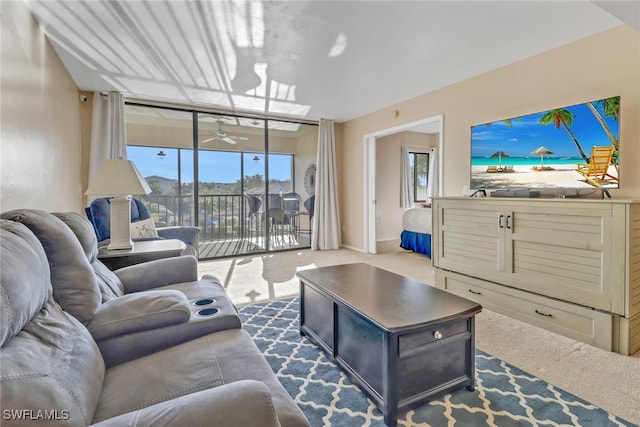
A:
(499, 155)
(541, 152)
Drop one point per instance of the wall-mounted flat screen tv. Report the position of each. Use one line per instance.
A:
(573, 147)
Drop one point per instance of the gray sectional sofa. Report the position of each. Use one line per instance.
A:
(81, 345)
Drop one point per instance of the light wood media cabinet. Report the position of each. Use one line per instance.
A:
(569, 266)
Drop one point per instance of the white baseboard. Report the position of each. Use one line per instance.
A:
(388, 240)
(353, 248)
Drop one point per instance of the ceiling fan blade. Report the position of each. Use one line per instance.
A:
(208, 139)
(240, 138)
(228, 140)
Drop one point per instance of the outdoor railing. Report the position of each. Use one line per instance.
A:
(221, 216)
(228, 218)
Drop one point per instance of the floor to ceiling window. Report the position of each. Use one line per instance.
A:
(240, 180)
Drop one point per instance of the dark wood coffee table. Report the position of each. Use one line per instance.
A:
(401, 341)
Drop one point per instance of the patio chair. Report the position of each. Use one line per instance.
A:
(309, 205)
(596, 172)
(253, 203)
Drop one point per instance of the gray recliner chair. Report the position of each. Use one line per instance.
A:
(53, 373)
(133, 311)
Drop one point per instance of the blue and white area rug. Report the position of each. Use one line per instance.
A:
(504, 394)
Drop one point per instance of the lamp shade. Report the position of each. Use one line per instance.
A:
(117, 178)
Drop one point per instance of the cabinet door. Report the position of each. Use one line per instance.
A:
(469, 237)
(569, 250)
(565, 251)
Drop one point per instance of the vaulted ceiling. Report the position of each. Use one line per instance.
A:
(305, 59)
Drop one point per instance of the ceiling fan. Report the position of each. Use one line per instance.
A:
(222, 135)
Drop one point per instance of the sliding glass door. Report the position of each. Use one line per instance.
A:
(231, 171)
(240, 180)
(292, 153)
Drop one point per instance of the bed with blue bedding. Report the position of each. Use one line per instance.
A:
(416, 230)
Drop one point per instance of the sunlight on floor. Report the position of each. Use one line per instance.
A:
(261, 277)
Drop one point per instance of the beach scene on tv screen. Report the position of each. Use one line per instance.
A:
(573, 147)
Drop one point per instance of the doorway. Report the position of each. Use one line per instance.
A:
(434, 124)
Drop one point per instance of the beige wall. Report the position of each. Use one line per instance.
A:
(604, 65)
(41, 131)
(388, 160)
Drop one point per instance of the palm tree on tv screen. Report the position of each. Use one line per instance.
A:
(610, 108)
(563, 118)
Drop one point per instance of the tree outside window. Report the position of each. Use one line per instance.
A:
(419, 164)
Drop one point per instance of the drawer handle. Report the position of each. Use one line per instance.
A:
(475, 292)
(544, 314)
(437, 335)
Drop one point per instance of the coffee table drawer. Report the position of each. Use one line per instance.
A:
(409, 343)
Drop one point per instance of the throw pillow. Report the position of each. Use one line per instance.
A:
(144, 228)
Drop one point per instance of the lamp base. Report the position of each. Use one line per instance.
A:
(120, 224)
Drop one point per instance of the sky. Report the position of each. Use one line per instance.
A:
(213, 166)
(527, 134)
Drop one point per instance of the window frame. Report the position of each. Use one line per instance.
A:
(413, 161)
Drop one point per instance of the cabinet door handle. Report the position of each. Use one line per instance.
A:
(475, 292)
(508, 218)
(543, 314)
(500, 218)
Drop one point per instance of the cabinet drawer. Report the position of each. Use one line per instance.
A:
(439, 332)
(574, 321)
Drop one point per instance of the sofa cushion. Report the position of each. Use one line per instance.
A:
(109, 284)
(210, 361)
(240, 404)
(74, 282)
(51, 362)
(25, 286)
(140, 312)
(143, 229)
(99, 215)
(124, 347)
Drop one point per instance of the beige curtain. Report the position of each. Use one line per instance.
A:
(406, 183)
(108, 130)
(326, 222)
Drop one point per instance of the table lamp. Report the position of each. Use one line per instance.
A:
(119, 178)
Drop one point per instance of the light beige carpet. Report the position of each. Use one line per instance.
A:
(608, 380)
